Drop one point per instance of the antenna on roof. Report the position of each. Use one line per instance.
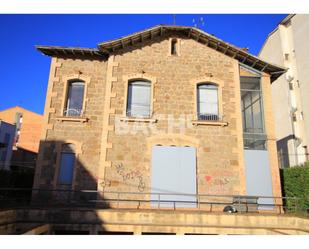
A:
(174, 19)
(198, 23)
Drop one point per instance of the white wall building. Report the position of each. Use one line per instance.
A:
(288, 46)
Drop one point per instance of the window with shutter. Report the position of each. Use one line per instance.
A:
(207, 102)
(139, 98)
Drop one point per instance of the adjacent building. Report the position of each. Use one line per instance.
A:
(169, 110)
(28, 127)
(287, 45)
(7, 133)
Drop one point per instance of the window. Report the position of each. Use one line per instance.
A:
(75, 98)
(67, 161)
(207, 102)
(252, 113)
(251, 99)
(139, 98)
(174, 47)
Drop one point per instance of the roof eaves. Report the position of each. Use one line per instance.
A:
(110, 46)
(199, 35)
(287, 18)
(69, 51)
(105, 48)
(272, 68)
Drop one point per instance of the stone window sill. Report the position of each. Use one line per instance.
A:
(72, 119)
(208, 122)
(131, 119)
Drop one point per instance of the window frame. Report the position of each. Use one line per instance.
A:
(253, 135)
(131, 83)
(58, 149)
(65, 109)
(74, 163)
(67, 80)
(139, 77)
(216, 88)
(220, 84)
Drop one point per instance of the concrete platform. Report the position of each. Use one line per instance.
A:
(100, 221)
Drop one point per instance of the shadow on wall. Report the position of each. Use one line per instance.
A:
(283, 151)
(23, 160)
(59, 197)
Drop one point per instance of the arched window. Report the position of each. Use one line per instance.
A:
(139, 99)
(75, 98)
(67, 162)
(207, 102)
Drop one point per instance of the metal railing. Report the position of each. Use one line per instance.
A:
(72, 112)
(209, 117)
(18, 198)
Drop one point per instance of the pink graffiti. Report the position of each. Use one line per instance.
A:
(208, 178)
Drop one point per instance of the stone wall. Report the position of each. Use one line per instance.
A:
(84, 133)
(114, 153)
(7, 222)
(219, 156)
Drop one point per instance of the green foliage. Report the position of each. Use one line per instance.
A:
(295, 183)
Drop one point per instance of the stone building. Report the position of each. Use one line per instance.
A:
(287, 45)
(170, 110)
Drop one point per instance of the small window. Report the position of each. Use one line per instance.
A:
(67, 162)
(75, 99)
(139, 98)
(174, 47)
(207, 102)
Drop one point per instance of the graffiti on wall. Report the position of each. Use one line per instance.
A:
(217, 185)
(126, 176)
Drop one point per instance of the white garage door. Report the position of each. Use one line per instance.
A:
(173, 171)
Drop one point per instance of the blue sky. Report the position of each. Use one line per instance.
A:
(24, 71)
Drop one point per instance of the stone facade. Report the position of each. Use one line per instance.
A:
(114, 152)
(218, 167)
(84, 134)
